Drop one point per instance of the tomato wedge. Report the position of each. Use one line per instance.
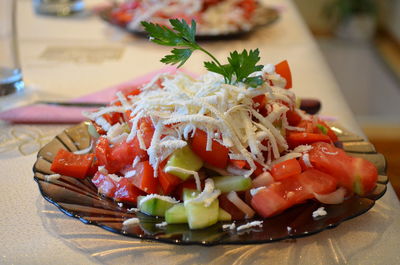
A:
(317, 181)
(283, 70)
(126, 191)
(285, 169)
(167, 181)
(70, 164)
(296, 139)
(353, 173)
(105, 184)
(144, 178)
(218, 156)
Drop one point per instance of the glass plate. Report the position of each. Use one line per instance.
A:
(263, 16)
(79, 198)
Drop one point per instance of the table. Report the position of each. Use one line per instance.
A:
(68, 57)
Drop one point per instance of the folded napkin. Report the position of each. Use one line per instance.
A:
(41, 113)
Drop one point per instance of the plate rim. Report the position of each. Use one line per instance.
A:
(199, 243)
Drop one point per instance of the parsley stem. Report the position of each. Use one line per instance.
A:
(226, 78)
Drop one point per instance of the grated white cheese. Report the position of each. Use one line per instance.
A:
(163, 224)
(231, 226)
(319, 212)
(207, 196)
(306, 159)
(52, 177)
(255, 190)
(132, 210)
(250, 225)
(160, 197)
(185, 171)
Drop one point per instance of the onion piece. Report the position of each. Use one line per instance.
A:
(264, 179)
(335, 197)
(234, 198)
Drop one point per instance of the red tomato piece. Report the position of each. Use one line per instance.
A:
(122, 155)
(364, 175)
(248, 6)
(285, 169)
(300, 138)
(130, 91)
(260, 102)
(105, 184)
(293, 118)
(70, 164)
(239, 163)
(144, 178)
(268, 201)
(331, 160)
(329, 132)
(126, 191)
(167, 181)
(283, 70)
(218, 156)
(355, 174)
(102, 151)
(317, 181)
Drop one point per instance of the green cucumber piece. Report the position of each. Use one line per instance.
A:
(198, 215)
(153, 206)
(224, 215)
(184, 158)
(92, 131)
(176, 214)
(232, 183)
(189, 194)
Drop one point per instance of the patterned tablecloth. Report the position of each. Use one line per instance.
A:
(69, 57)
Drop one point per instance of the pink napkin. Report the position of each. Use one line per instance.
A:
(58, 114)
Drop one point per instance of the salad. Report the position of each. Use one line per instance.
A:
(212, 16)
(229, 145)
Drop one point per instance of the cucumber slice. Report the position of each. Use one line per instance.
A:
(183, 158)
(189, 194)
(92, 131)
(176, 214)
(153, 206)
(232, 183)
(224, 215)
(198, 215)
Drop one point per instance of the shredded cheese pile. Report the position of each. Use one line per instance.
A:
(178, 105)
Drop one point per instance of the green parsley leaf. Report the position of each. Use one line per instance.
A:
(240, 65)
(178, 56)
(244, 63)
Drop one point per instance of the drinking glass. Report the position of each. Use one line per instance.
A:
(10, 68)
(58, 7)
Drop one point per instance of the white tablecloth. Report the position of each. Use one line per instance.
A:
(68, 57)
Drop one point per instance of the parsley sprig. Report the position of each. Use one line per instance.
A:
(182, 37)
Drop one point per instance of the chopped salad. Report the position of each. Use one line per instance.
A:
(212, 16)
(229, 145)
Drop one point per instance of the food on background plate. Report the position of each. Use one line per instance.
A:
(229, 145)
(212, 16)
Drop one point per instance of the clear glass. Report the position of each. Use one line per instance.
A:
(10, 68)
(58, 7)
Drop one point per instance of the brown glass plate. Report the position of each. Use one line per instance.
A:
(263, 16)
(79, 199)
